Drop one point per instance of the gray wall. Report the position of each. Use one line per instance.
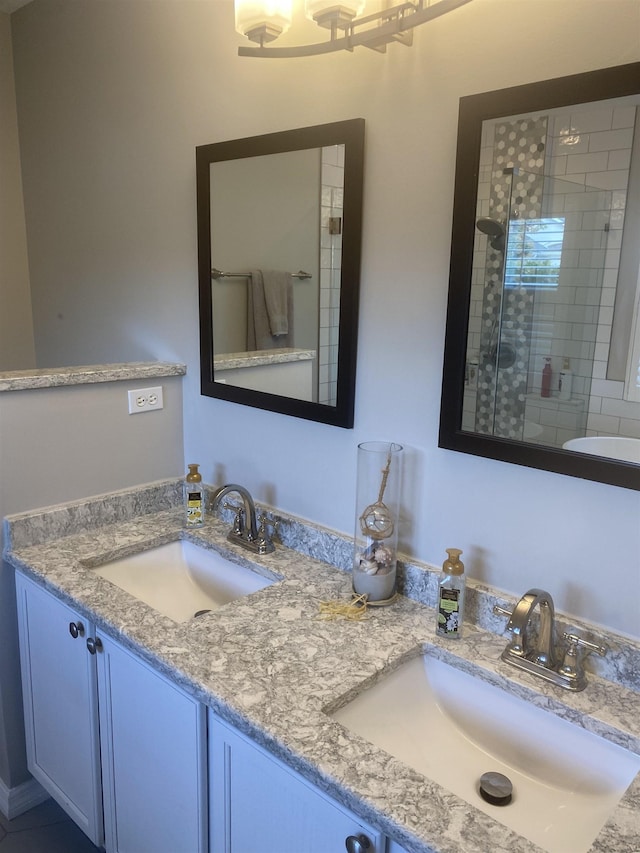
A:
(61, 444)
(16, 328)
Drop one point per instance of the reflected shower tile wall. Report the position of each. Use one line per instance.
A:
(594, 149)
(332, 204)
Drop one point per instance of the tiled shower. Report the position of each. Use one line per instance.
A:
(556, 184)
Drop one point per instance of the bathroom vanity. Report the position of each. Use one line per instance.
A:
(221, 726)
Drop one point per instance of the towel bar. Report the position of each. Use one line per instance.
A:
(219, 274)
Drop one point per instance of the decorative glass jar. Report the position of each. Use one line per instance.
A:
(376, 524)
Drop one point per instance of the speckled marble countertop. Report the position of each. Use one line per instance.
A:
(51, 377)
(270, 665)
(258, 358)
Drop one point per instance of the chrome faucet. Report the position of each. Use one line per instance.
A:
(542, 650)
(245, 530)
(536, 652)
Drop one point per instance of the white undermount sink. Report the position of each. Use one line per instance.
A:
(453, 727)
(181, 579)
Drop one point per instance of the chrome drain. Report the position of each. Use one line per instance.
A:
(496, 788)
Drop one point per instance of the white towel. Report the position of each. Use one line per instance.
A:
(269, 310)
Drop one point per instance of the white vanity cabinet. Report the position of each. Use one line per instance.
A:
(154, 745)
(258, 805)
(101, 725)
(59, 686)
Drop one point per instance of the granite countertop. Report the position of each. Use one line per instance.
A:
(52, 377)
(259, 358)
(270, 665)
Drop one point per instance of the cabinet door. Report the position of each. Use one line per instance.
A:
(59, 684)
(153, 738)
(257, 805)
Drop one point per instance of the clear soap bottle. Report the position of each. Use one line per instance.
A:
(450, 605)
(193, 498)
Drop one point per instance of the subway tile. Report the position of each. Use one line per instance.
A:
(595, 404)
(558, 165)
(624, 116)
(583, 163)
(619, 159)
(333, 176)
(630, 427)
(610, 140)
(608, 180)
(605, 317)
(601, 352)
(610, 277)
(614, 240)
(620, 408)
(616, 219)
(591, 120)
(604, 424)
(607, 388)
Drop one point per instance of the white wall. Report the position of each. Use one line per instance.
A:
(123, 92)
(16, 327)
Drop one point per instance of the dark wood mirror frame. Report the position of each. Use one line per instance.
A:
(351, 134)
(590, 86)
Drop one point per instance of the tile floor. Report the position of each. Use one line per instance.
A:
(44, 829)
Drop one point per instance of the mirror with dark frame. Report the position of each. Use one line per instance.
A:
(542, 345)
(279, 242)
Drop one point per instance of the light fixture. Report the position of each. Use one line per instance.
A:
(263, 21)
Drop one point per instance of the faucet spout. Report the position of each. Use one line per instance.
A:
(519, 624)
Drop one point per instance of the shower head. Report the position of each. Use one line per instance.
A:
(494, 231)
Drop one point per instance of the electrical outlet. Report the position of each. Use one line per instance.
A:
(145, 400)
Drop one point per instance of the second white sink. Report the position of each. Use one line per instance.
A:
(453, 727)
(180, 579)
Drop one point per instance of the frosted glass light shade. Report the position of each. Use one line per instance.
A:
(322, 11)
(262, 20)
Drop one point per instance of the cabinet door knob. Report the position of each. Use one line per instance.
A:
(76, 629)
(94, 645)
(357, 843)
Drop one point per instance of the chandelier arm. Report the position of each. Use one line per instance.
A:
(383, 34)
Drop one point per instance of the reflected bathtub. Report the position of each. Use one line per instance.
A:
(612, 447)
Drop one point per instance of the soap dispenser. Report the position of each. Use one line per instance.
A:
(451, 596)
(193, 498)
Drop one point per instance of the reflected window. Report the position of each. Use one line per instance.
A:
(534, 252)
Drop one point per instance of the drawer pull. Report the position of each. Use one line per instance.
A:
(76, 629)
(94, 645)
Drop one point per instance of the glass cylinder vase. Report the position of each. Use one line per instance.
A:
(376, 526)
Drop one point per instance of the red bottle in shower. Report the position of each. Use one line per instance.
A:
(545, 390)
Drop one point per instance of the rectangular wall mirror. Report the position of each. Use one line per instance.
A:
(542, 348)
(279, 236)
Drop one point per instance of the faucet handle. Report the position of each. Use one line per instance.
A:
(238, 522)
(501, 611)
(265, 544)
(571, 669)
(574, 641)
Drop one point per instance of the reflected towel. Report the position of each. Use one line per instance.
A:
(277, 289)
(269, 310)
